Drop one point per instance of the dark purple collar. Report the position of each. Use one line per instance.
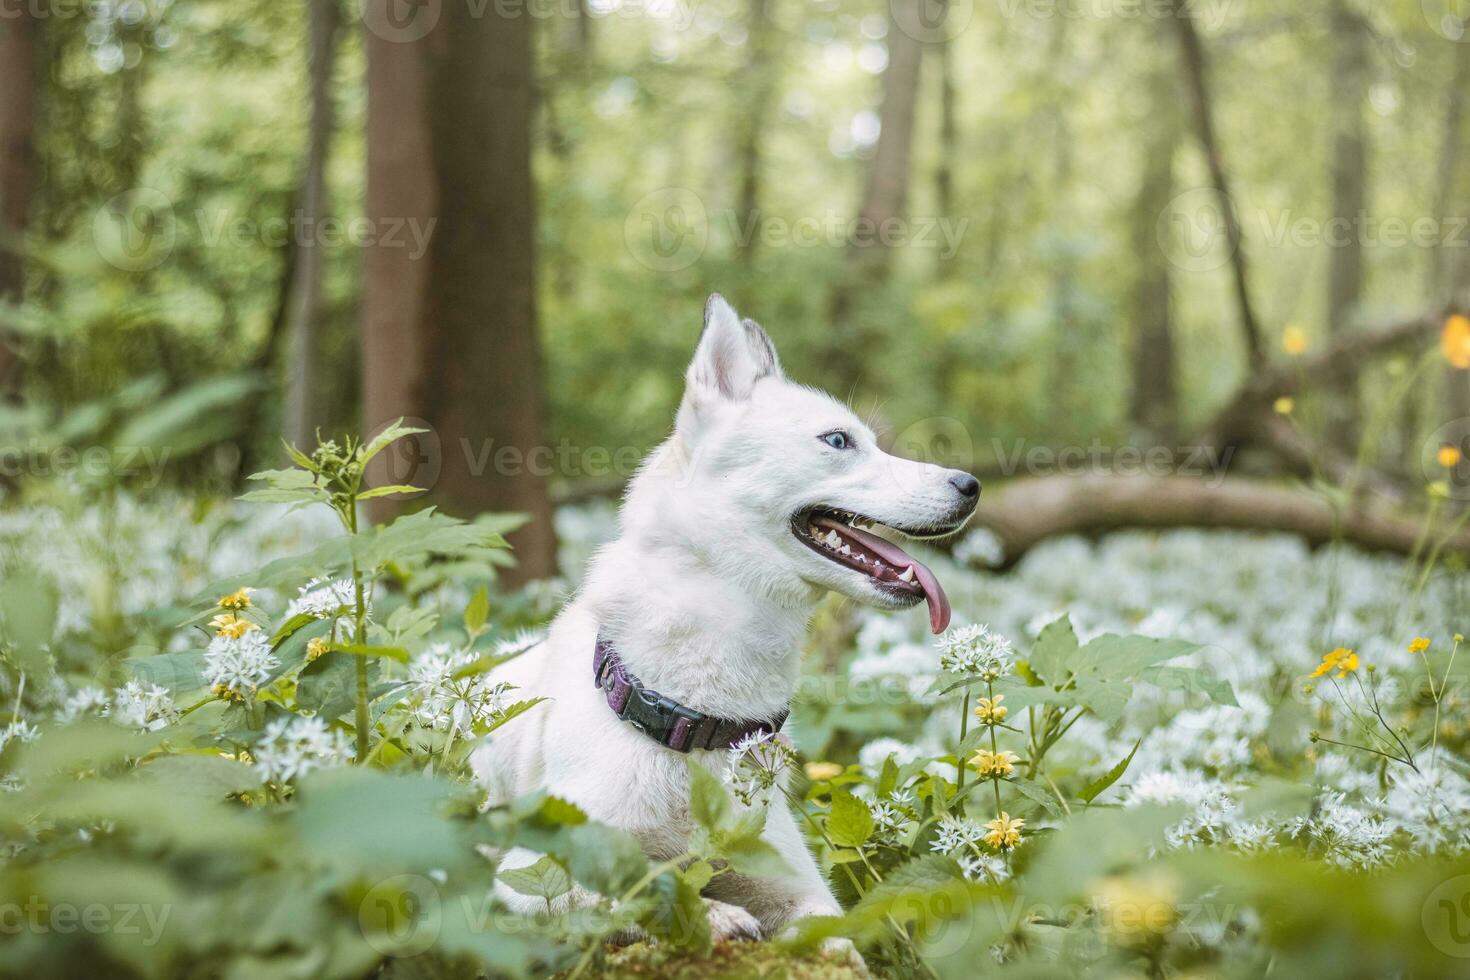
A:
(662, 719)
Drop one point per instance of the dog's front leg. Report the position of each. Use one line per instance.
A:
(779, 902)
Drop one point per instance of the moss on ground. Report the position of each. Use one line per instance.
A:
(732, 960)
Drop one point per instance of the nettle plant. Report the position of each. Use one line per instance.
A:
(330, 678)
(913, 845)
(296, 796)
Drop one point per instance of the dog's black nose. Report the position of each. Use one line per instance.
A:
(966, 484)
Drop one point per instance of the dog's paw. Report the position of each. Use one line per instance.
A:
(731, 923)
(843, 951)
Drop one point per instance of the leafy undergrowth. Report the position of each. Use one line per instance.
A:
(734, 961)
(1191, 753)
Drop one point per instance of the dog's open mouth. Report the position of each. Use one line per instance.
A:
(839, 536)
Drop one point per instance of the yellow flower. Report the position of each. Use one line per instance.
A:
(228, 624)
(991, 711)
(1440, 489)
(1004, 832)
(996, 765)
(227, 694)
(315, 647)
(239, 599)
(1448, 456)
(1294, 340)
(1418, 645)
(820, 772)
(1342, 660)
(1455, 341)
(1283, 405)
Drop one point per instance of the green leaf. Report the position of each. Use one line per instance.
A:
(546, 879)
(709, 805)
(385, 491)
(605, 859)
(477, 612)
(1055, 649)
(290, 626)
(1095, 788)
(1036, 793)
(28, 609)
(364, 650)
(396, 430)
(328, 685)
(850, 823)
(508, 714)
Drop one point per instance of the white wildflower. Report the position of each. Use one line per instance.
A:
(755, 766)
(83, 701)
(294, 746)
(325, 598)
(872, 755)
(239, 664)
(984, 868)
(975, 650)
(956, 834)
(146, 708)
(1432, 805)
(442, 701)
(981, 547)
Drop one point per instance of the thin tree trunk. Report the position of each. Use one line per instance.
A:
(1195, 67)
(884, 199)
(1151, 402)
(303, 410)
(1067, 346)
(1348, 166)
(948, 144)
(759, 84)
(19, 70)
(1450, 272)
(450, 337)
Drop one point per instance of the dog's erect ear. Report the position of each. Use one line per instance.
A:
(733, 354)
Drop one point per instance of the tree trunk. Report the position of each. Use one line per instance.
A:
(884, 199)
(1450, 271)
(1068, 345)
(303, 410)
(19, 71)
(759, 85)
(450, 337)
(948, 144)
(1151, 402)
(1348, 167)
(1195, 68)
(1027, 512)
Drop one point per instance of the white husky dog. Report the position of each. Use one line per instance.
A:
(730, 533)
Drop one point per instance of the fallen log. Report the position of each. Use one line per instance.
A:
(1026, 512)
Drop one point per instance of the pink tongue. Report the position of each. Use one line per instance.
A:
(899, 559)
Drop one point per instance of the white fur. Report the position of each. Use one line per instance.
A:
(706, 595)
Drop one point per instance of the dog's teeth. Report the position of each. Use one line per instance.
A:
(862, 559)
(832, 539)
(907, 575)
(845, 550)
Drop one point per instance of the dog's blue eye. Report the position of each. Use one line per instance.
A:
(837, 440)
